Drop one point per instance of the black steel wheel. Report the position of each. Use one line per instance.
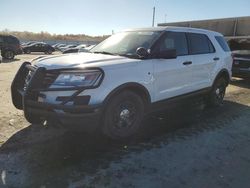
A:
(9, 54)
(217, 94)
(123, 115)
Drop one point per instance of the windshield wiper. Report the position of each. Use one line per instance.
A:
(103, 52)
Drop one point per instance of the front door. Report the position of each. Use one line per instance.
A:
(173, 77)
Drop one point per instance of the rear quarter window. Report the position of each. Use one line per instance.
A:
(199, 44)
(222, 42)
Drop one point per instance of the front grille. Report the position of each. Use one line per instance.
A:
(242, 63)
(47, 80)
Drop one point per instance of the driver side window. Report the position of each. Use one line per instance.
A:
(174, 40)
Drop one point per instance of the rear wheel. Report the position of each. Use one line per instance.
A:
(217, 94)
(49, 52)
(9, 54)
(123, 115)
(27, 51)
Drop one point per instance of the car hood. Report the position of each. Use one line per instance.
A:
(79, 60)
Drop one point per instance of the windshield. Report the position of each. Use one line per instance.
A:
(126, 43)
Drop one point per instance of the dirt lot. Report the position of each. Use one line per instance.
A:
(183, 147)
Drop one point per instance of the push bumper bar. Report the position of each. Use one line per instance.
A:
(25, 97)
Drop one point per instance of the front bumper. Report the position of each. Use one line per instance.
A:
(88, 116)
(83, 117)
(241, 72)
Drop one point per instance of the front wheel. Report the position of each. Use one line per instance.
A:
(123, 115)
(33, 119)
(9, 54)
(217, 94)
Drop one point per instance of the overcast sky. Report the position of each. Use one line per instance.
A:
(100, 17)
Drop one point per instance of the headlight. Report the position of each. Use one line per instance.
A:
(85, 78)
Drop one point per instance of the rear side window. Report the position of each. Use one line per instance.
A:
(174, 40)
(222, 42)
(199, 44)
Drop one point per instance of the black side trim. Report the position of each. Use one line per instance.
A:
(69, 108)
(163, 104)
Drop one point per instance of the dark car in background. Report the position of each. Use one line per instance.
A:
(58, 46)
(10, 46)
(75, 49)
(241, 64)
(28, 43)
(67, 47)
(87, 49)
(38, 47)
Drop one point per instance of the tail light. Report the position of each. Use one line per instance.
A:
(233, 55)
(235, 62)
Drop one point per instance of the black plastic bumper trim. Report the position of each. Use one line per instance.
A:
(66, 108)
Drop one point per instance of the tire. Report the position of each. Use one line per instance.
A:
(123, 115)
(9, 54)
(34, 119)
(49, 52)
(217, 94)
(27, 51)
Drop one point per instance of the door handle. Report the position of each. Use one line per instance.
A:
(187, 63)
(216, 59)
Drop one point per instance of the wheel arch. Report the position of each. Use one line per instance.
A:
(131, 86)
(223, 73)
(4, 49)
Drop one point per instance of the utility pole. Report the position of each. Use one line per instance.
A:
(153, 24)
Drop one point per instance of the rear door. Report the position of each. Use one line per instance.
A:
(35, 48)
(173, 77)
(204, 59)
(43, 48)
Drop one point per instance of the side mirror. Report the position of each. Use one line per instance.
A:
(167, 54)
(142, 52)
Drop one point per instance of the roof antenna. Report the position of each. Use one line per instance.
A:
(153, 23)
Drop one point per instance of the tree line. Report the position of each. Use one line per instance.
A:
(43, 35)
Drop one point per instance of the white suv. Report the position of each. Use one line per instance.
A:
(126, 76)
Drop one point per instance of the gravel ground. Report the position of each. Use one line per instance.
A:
(182, 147)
